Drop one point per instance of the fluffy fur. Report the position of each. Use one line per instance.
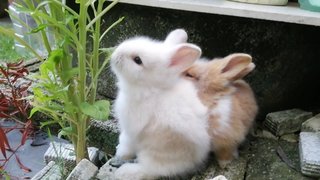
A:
(162, 121)
(230, 100)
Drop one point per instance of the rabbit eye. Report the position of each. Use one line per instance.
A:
(137, 60)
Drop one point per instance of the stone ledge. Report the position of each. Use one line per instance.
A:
(290, 13)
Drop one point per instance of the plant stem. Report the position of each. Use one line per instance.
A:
(82, 49)
(80, 146)
(95, 57)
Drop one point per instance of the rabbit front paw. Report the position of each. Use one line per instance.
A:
(130, 171)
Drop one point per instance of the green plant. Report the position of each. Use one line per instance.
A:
(67, 92)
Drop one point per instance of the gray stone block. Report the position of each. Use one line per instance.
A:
(220, 177)
(312, 124)
(84, 170)
(106, 172)
(51, 171)
(309, 147)
(107, 84)
(285, 122)
(62, 152)
(104, 135)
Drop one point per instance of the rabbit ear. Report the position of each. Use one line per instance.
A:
(238, 65)
(177, 36)
(184, 56)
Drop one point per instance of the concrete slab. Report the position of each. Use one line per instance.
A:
(285, 122)
(312, 124)
(30, 156)
(51, 171)
(65, 152)
(310, 153)
(84, 170)
(104, 135)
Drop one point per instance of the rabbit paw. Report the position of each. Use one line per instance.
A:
(224, 163)
(130, 171)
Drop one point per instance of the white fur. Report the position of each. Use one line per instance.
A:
(161, 118)
(223, 110)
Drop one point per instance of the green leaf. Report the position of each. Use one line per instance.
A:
(46, 123)
(99, 110)
(33, 110)
(65, 131)
(68, 74)
(56, 56)
(39, 28)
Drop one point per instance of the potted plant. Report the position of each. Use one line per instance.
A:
(67, 80)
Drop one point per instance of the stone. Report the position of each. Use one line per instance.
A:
(106, 172)
(293, 138)
(63, 152)
(107, 84)
(262, 133)
(285, 122)
(310, 153)
(104, 135)
(264, 163)
(51, 171)
(312, 124)
(84, 170)
(220, 177)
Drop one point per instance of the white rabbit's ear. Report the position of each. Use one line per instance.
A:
(177, 36)
(184, 56)
(237, 66)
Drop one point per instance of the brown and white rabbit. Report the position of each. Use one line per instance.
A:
(162, 120)
(231, 103)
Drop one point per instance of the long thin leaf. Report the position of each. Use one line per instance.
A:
(26, 132)
(44, 3)
(23, 167)
(101, 14)
(110, 27)
(3, 141)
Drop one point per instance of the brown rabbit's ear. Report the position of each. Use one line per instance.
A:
(237, 66)
(184, 56)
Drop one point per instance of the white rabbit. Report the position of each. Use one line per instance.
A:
(162, 121)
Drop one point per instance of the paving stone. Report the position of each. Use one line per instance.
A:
(312, 124)
(104, 135)
(106, 172)
(310, 153)
(262, 133)
(51, 171)
(285, 122)
(64, 152)
(220, 177)
(290, 137)
(84, 170)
